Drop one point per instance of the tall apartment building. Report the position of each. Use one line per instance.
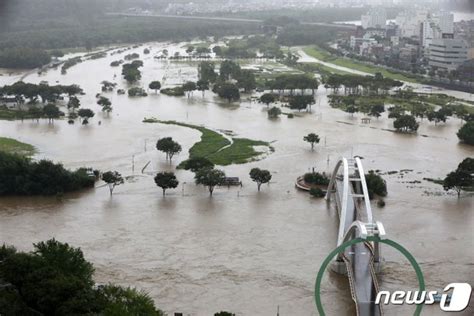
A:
(447, 52)
(420, 22)
(445, 21)
(430, 30)
(375, 18)
(409, 22)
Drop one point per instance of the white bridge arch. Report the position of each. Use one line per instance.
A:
(359, 262)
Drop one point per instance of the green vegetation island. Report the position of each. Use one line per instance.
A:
(217, 148)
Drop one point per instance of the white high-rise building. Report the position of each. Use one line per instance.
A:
(409, 22)
(375, 18)
(422, 24)
(447, 53)
(445, 22)
(429, 30)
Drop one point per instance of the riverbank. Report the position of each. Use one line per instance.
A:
(13, 146)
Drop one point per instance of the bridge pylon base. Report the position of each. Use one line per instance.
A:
(339, 267)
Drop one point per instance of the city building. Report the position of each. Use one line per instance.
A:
(447, 52)
(392, 29)
(409, 22)
(394, 40)
(408, 55)
(445, 22)
(372, 32)
(375, 18)
(429, 30)
(357, 42)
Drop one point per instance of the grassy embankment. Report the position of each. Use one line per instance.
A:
(10, 145)
(213, 145)
(321, 69)
(323, 55)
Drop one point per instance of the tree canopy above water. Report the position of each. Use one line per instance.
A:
(55, 279)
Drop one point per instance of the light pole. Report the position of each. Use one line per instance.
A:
(182, 189)
(133, 163)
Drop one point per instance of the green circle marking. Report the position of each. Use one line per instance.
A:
(341, 248)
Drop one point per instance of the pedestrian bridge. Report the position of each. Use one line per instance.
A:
(362, 261)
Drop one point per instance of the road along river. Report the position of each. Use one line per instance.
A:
(417, 87)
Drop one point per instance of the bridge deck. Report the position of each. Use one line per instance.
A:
(359, 264)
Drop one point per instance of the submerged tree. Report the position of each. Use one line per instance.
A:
(376, 185)
(202, 85)
(267, 98)
(85, 114)
(52, 112)
(209, 178)
(301, 102)
(189, 87)
(311, 138)
(229, 70)
(105, 103)
(376, 110)
(155, 85)
(437, 116)
(228, 91)
(113, 179)
(462, 178)
(206, 71)
(406, 123)
(466, 133)
(274, 112)
(166, 180)
(260, 176)
(35, 113)
(196, 163)
(168, 146)
(73, 103)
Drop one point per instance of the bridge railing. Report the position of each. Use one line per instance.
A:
(364, 225)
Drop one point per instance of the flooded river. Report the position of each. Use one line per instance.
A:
(241, 250)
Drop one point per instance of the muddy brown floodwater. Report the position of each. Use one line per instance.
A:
(241, 250)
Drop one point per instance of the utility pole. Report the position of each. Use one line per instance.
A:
(133, 163)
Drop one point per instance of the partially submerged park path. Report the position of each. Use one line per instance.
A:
(220, 148)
